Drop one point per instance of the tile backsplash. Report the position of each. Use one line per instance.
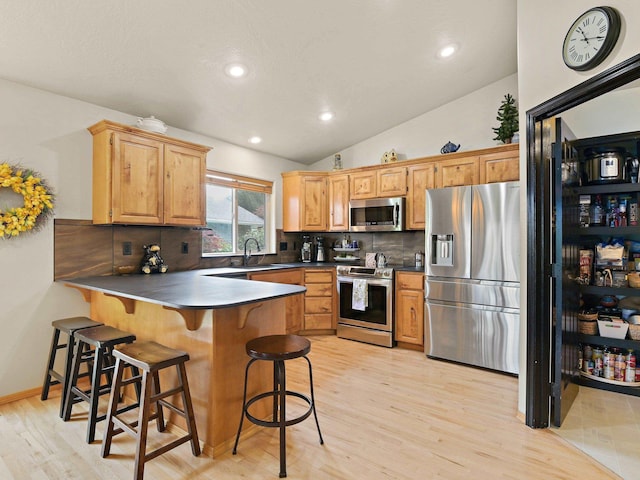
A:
(81, 248)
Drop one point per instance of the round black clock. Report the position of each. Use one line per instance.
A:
(591, 38)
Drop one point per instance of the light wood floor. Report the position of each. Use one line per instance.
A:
(384, 414)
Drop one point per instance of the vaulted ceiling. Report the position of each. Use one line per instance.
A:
(373, 63)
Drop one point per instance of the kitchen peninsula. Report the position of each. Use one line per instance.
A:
(207, 316)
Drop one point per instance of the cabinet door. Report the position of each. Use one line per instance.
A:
(314, 203)
(419, 179)
(499, 167)
(137, 180)
(184, 189)
(294, 304)
(363, 185)
(410, 316)
(456, 172)
(339, 203)
(392, 182)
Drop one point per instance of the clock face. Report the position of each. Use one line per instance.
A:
(591, 38)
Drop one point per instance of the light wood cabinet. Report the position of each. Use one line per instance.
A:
(338, 203)
(363, 184)
(457, 172)
(377, 183)
(392, 182)
(410, 308)
(419, 178)
(304, 201)
(500, 167)
(294, 304)
(145, 178)
(320, 300)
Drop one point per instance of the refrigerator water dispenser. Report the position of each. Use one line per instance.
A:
(442, 250)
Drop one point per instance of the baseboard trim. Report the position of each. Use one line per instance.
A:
(32, 392)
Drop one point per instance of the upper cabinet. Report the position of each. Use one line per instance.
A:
(378, 182)
(319, 201)
(304, 201)
(145, 178)
(338, 202)
(500, 167)
(420, 178)
(457, 172)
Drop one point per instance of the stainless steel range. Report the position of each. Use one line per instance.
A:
(366, 304)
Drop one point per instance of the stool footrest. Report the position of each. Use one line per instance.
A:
(173, 408)
(168, 393)
(276, 423)
(167, 447)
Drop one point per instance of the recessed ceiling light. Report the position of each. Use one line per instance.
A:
(326, 116)
(255, 140)
(447, 51)
(235, 70)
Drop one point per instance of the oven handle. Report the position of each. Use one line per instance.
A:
(383, 282)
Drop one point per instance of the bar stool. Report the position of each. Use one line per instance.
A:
(52, 377)
(150, 358)
(278, 349)
(103, 339)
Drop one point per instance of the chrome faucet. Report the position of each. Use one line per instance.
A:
(248, 256)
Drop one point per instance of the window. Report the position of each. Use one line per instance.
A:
(238, 208)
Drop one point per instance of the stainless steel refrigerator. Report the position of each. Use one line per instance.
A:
(472, 283)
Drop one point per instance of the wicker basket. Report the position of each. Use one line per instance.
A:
(588, 327)
(634, 331)
(634, 279)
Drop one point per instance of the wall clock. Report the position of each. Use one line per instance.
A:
(591, 38)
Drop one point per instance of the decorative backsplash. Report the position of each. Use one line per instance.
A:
(83, 249)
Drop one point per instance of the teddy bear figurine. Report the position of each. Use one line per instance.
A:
(152, 261)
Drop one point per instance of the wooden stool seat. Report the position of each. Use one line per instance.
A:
(278, 349)
(149, 358)
(67, 326)
(103, 339)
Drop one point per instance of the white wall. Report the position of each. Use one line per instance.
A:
(542, 26)
(466, 121)
(48, 133)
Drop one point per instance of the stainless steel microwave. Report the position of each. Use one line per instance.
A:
(377, 215)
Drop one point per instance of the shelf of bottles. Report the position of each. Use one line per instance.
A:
(606, 212)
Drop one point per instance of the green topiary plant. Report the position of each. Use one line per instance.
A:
(508, 117)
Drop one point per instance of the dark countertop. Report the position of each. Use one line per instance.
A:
(196, 289)
(409, 269)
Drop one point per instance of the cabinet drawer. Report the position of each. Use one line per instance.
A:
(317, 322)
(318, 277)
(409, 281)
(290, 277)
(317, 305)
(319, 290)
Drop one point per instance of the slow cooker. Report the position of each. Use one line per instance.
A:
(606, 165)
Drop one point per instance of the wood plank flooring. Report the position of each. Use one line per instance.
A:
(384, 414)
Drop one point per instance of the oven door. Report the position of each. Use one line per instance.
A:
(378, 313)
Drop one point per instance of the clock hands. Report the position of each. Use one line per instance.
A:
(586, 39)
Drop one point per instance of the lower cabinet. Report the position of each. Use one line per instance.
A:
(409, 312)
(320, 300)
(294, 303)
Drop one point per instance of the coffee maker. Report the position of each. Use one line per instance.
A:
(319, 249)
(306, 248)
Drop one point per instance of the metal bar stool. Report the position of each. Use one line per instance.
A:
(52, 377)
(103, 339)
(278, 349)
(150, 358)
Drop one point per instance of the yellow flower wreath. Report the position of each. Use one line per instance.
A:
(38, 201)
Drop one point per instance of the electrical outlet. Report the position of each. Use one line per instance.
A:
(185, 248)
(126, 248)
(283, 246)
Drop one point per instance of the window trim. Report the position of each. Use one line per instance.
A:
(240, 182)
